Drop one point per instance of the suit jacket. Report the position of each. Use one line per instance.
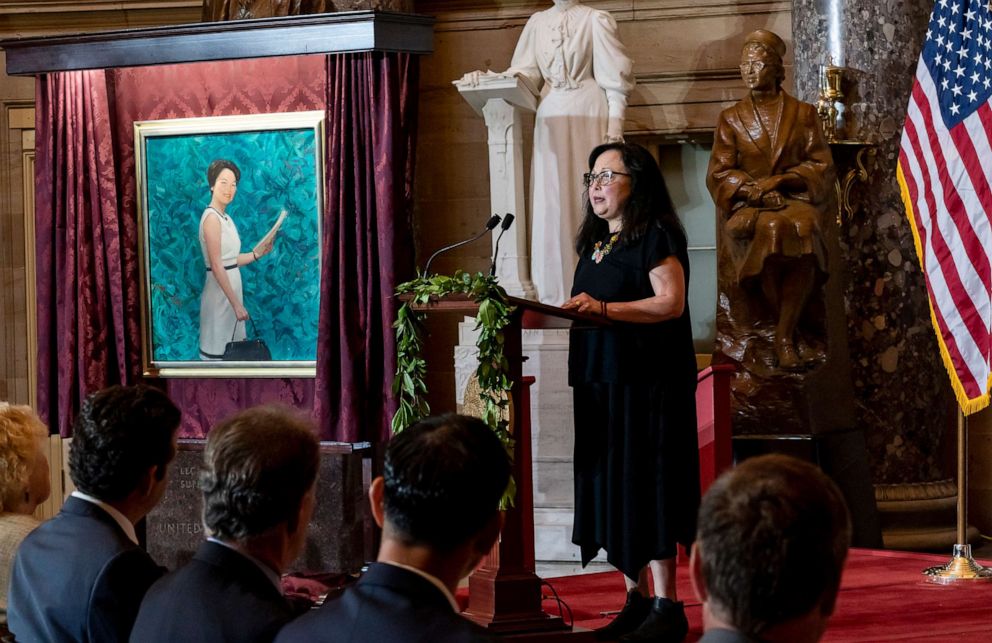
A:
(78, 577)
(743, 152)
(220, 595)
(388, 603)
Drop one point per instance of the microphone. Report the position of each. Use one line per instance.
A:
(490, 224)
(507, 222)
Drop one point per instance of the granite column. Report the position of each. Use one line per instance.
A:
(902, 391)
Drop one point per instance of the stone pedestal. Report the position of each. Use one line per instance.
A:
(552, 436)
(339, 538)
(501, 101)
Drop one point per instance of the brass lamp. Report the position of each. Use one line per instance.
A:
(830, 106)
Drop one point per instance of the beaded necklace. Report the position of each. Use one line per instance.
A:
(599, 251)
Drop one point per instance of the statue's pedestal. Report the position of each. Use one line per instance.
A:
(552, 435)
(340, 535)
(502, 101)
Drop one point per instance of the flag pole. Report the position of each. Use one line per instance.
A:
(961, 567)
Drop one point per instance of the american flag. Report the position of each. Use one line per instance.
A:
(945, 173)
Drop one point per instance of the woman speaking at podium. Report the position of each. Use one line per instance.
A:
(636, 458)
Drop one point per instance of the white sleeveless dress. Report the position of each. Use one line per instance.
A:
(217, 318)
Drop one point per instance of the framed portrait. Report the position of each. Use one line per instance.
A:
(230, 211)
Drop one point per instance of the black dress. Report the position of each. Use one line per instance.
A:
(636, 455)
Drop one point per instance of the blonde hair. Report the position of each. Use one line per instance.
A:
(20, 433)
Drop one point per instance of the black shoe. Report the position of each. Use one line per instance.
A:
(665, 623)
(634, 611)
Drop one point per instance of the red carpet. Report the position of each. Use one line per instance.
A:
(883, 597)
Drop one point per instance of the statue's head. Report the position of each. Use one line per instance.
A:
(761, 60)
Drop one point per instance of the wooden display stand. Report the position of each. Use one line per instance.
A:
(505, 591)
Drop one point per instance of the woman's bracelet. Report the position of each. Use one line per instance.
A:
(602, 309)
(253, 254)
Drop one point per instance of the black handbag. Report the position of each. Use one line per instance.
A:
(247, 350)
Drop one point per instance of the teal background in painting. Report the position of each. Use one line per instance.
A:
(282, 290)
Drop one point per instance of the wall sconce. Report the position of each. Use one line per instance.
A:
(854, 159)
(830, 106)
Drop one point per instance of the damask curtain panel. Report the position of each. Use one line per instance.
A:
(205, 89)
(367, 238)
(87, 239)
(87, 284)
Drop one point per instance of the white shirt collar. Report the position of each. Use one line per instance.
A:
(268, 571)
(433, 580)
(118, 517)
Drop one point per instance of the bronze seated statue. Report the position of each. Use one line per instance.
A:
(772, 177)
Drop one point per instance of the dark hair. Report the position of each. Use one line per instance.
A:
(257, 466)
(648, 204)
(444, 477)
(120, 433)
(218, 166)
(773, 534)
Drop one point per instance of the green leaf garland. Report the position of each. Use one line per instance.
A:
(494, 313)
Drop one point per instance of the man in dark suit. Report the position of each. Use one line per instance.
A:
(438, 506)
(258, 482)
(81, 575)
(771, 541)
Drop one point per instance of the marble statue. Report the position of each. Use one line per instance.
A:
(571, 56)
(772, 178)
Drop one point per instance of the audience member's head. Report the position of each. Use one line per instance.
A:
(440, 490)
(259, 470)
(122, 444)
(24, 476)
(772, 538)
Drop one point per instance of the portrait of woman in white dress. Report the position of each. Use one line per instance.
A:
(223, 314)
(202, 288)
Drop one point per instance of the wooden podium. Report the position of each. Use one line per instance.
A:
(505, 591)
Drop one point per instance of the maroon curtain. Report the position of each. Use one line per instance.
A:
(222, 88)
(86, 220)
(367, 238)
(88, 334)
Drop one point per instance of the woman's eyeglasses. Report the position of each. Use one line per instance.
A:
(756, 65)
(606, 177)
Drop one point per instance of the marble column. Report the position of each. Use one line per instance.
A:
(903, 395)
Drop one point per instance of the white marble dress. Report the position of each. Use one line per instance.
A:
(572, 54)
(217, 318)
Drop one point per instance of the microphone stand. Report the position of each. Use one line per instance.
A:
(507, 222)
(492, 223)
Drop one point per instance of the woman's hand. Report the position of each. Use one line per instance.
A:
(264, 248)
(584, 303)
(240, 312)
(769, 184)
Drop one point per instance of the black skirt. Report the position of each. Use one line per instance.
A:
(636, 472)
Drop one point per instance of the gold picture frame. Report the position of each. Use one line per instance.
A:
(280, 158)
